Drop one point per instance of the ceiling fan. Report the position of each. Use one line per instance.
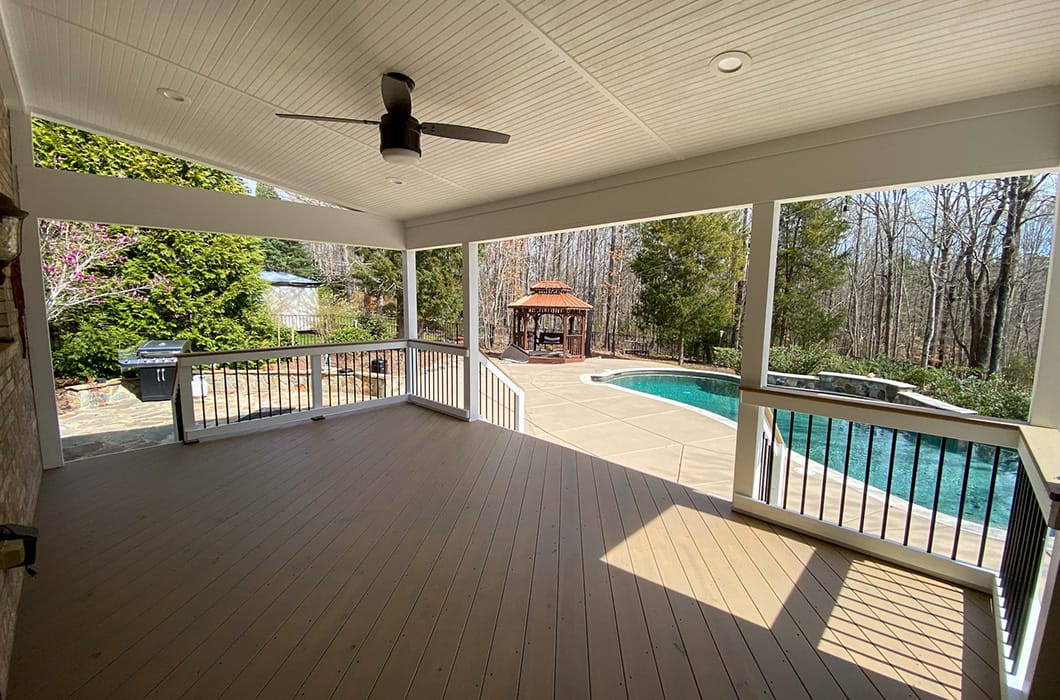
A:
(399, 131)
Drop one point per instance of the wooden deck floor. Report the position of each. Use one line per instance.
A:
(400, 553)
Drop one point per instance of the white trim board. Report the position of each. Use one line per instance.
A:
(57, 194)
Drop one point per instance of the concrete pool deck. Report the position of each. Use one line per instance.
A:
(636, 431)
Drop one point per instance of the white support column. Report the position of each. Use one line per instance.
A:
(38, 339)
(757, 327)
(470, 323)
(410, 316)
(1045, 400)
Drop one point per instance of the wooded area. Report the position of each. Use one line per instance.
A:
(950, 274)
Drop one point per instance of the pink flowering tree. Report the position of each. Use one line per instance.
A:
(83, 265)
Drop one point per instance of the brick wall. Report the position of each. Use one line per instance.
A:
(20, 462)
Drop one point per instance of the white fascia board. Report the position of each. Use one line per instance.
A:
(1015, 132)
(57, 194)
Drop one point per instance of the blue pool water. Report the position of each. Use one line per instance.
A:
(720, 395)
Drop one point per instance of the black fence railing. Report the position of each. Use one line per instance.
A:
(948, 497)
(439, 374)
(242, 386)
(1021, 563)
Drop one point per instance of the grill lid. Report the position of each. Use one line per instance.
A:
(161, 348)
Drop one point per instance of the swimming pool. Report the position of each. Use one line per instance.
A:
(719, 394)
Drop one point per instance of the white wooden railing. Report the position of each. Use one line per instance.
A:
(239, 391)
(962, 497)
(501, 400)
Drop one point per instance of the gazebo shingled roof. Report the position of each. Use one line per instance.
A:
(550, 294)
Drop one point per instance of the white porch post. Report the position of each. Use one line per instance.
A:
(1043, 655)
(38, 340)
(410, 316)
(1045, 400)
(470, 328)
(757, 326)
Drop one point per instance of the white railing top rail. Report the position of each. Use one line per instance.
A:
(437, 346)
(208, 358)
(973, 428)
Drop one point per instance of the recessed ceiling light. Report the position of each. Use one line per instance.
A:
(729, 62)
(170, 94)
(395, 181)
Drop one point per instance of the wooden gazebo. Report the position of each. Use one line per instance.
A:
(558, 331)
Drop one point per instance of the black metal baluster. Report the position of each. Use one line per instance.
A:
(246, 371)
(224, 381)
(890, 480)
(938, 492)
(846, 473)
(787, 465)
(824, 472)
(239, 410)
(1022, 577)
(290, 403)
(989, 506)
(865, 484)
(912, 489)
(964, 495)
(202, 399)
(268, 387)
(806, 465)
(213, 383)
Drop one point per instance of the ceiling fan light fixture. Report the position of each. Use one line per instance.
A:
(400, 156)
(730, 62)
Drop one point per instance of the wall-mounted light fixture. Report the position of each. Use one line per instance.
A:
(10, 232)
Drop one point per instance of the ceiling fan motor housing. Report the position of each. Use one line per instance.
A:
(399, 131)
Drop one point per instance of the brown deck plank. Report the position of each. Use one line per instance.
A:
(400, 553)
(471, 605)
(638, 658)
(537, 673)
(784, 682)
(742, 670)
(403, 638)
(572, 646)
(664, 567)
(414, 549)
(225, 633)
(503, 658)
(133, 607)
(671, 653)
(607, 678)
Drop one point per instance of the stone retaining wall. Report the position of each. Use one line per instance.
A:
(866, 387)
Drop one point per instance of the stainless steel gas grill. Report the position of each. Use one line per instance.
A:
(156, 360)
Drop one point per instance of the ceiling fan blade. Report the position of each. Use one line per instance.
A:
(319, 118)
(397, 93)
(464, 133)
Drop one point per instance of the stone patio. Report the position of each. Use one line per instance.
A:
(650, 435)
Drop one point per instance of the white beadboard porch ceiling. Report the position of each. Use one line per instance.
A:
(586, 88)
